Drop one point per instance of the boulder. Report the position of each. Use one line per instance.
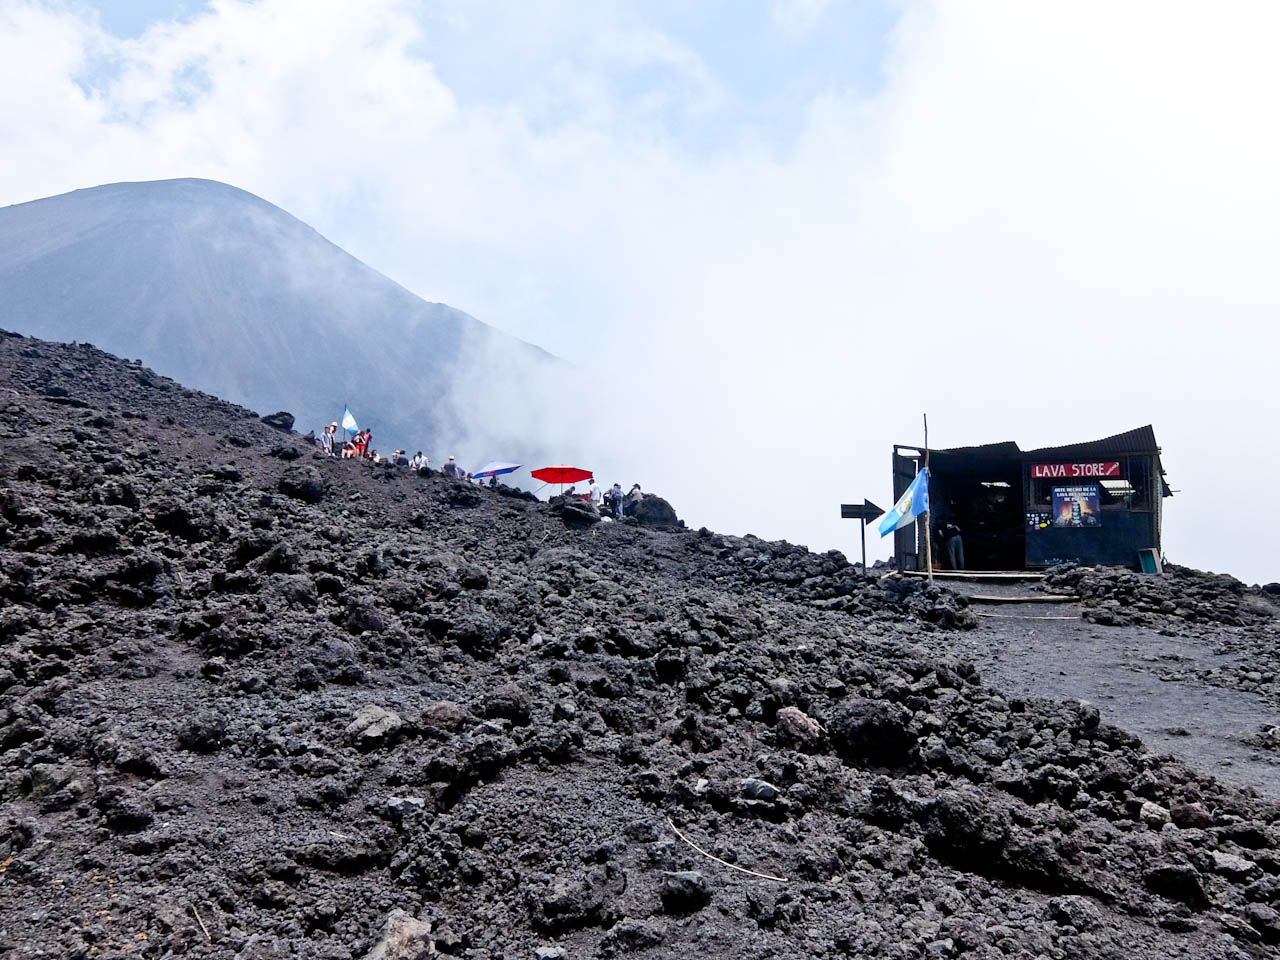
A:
(753, 789)
(1074, 911)
(652, 511)
(202, 733)
(630, 935)
(362, 614)
(684, 891)
(575, 902)
(509, 702)
(1153, 815)
(1177, 881)
(1235, 868)
(403, 938)
(373, 725)
(1266, 920)
(281, 420)
(1190, 816)
(872, 731)
(797, 729)
(967, 829)
(575, 511)
(444, 716)
(303, 483)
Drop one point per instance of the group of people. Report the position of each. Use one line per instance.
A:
(613, 499)
(360, 447)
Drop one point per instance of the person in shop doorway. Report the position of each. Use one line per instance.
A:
(953, 545)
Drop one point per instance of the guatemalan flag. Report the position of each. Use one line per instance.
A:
(910, 505)
(349, 422)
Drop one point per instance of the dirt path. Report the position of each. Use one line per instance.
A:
(1120, 670)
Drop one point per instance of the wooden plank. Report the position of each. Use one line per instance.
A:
(980, 576)
(1037, 598)
(1020, 616)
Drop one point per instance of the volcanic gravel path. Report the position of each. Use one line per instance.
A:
(258, 704)
(1125, 671)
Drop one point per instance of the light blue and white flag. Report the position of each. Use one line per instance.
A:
(349, 422)
(910, 505)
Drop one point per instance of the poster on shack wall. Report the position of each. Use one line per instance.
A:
(1077, 505)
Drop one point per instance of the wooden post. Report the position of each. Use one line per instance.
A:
(862, 523)
(928, 521)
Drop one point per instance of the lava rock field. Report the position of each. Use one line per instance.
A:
(256, 703)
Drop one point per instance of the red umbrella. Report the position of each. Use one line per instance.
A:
(561, 475)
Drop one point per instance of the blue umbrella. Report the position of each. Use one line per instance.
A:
(496, 468)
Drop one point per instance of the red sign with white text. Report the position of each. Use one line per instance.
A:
(1073, 471)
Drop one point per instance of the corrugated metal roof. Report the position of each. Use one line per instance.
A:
(1139, 441)
(1004, 447)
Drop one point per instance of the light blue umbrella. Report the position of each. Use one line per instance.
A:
(496, 468)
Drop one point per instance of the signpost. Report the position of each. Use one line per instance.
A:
(864, 511)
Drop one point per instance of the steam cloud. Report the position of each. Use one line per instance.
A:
(1033, 225)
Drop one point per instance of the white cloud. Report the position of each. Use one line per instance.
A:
(797, 17)
(1051, 224)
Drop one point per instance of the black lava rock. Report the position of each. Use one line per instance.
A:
(873, 732)
(684, 892)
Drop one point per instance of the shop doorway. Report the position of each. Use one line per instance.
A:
(986, 503)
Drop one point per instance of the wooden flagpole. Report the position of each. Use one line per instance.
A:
(928, 521)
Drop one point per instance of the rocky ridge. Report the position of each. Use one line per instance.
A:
(1116, 596)
(253, 704)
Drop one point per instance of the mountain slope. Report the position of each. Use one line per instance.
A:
(232, 295)
(252, 703)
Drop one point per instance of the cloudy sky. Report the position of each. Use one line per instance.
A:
(782, 229)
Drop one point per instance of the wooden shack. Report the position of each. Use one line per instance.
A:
(1097, 502)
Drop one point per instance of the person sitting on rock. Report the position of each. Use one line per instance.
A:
(633, 497)
(450, 468)
(400, 460)
(419, 462)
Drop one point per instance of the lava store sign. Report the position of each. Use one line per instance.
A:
(1074, 471)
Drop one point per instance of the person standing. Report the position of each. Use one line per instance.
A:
(953, 545)
(595, 496)
(615, 501)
